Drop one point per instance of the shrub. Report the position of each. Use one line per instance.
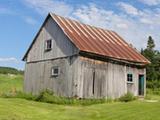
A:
(127, 97)
(154, 84)
(49, 97)
(153, 91)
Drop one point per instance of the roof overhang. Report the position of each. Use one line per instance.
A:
(112, 59)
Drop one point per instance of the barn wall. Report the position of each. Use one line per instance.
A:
(61, 45)
(38, 77)
(76, 78)
(110, 79)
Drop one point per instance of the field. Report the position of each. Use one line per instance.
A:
(21, 109)
(10, 83)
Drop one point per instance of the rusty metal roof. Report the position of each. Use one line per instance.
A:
(98, 41)
(95, 40)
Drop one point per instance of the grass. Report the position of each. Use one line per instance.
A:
(10, 83)
(21, 109)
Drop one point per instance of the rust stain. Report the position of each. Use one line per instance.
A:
(99, 41)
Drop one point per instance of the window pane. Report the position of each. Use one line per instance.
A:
(56, 71)
(48, 44)
(129, 78)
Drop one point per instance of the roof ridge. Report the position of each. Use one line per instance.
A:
(82, 22)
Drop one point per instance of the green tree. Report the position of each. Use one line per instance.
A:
(153, 69)
(150, 44)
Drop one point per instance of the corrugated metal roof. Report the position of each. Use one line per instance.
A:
(99, 41)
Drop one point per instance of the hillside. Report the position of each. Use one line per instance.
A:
(9, 70)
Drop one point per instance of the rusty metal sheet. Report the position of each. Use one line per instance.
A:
(99, 41)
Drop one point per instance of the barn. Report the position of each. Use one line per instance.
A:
(77, 60)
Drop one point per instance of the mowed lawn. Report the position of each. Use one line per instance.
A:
(20, 109)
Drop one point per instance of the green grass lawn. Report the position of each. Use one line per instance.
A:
(10, 83)
(21, 109)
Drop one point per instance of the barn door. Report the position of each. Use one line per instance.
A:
(141, 85)
(94, 82)
(88, 87)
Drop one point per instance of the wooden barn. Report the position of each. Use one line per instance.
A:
(77, 60)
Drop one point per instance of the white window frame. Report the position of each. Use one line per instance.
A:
(53, 74)
(130, 78)
(46, 45)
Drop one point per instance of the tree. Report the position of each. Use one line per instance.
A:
(150, 44)
(153, 69)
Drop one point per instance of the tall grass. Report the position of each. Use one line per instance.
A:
(49, 97)
(10, 83)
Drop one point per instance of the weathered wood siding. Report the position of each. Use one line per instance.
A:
(38, 77)
(76, 78)
(110, 79)
(61, 45)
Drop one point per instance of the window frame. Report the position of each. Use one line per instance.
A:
(130, 78)
(53, 74)
(46, 45)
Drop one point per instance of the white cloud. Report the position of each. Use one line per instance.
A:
(10, 59)
(93, 15)
(122, 25)
(134, 31)
(129, 9)
(30, 20)
(146, 21)
(150, 2)
(45, 6)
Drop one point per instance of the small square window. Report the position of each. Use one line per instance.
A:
(129, 78)
(55, 71)
(48, 45)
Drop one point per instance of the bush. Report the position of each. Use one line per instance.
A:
(49, 97)
(154, 84)
(153, 91)
(127, 97)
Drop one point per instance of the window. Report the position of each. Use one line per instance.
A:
(55, 71)
(48, 45)
(129, 78)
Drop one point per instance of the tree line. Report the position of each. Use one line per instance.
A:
(9, 70)
(153, 55)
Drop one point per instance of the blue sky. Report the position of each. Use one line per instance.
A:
(20, 20)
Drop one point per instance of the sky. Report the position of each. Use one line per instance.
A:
(20, 20)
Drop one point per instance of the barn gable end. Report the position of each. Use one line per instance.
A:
(61, 45)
